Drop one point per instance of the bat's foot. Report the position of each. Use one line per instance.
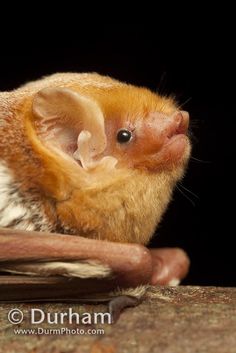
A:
(119, 303)
(169, 266)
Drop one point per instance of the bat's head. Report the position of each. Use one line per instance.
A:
(154, 140)
(106, 153)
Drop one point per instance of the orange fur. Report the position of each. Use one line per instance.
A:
(124, 204)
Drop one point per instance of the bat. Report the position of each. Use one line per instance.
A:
(88, 165)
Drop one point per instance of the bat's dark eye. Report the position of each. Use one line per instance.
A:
(124, 136)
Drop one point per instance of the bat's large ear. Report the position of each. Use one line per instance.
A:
(70, 122)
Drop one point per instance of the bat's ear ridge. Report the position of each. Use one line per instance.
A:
(61, 114)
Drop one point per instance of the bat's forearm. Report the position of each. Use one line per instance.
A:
(130, 263)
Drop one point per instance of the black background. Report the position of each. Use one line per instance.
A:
(192, 59)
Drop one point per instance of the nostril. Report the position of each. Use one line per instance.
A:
(182, 120)
(178, 117)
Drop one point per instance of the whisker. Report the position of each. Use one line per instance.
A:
(195, 123)
(162, 83)
(188, 198)
(199, 160)
(191, 192)
(185, 102)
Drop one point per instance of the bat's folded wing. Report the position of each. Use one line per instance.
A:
(58, 267)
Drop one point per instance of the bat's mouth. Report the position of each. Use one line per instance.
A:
(174, 154)
(176, 148)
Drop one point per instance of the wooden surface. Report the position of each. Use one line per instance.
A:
(178, 320)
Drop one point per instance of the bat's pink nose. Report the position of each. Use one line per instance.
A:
(161, 129)
(182, 120)
(175, 125)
